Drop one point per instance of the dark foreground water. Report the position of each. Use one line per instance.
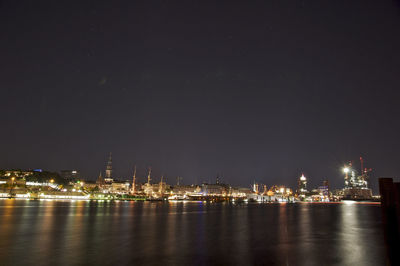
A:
(150, 233)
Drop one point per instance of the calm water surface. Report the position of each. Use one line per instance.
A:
(136, 233)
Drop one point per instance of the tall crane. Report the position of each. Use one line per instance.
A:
(362, 165)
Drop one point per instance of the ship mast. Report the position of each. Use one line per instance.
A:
(148, 176)
(134, 181)
(160, 187)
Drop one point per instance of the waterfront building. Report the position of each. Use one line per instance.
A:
(323, 193)
(215, 189)
(120, 187)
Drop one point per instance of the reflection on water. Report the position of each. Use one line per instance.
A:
(179, 233)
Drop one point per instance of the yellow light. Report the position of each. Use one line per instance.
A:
(52, 181)
(13, 178)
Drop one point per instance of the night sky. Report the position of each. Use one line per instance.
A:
(250, 90)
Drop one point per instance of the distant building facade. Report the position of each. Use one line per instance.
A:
(70, 175)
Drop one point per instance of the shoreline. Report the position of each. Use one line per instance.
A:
(191, 201)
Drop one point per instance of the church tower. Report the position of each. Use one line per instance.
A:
(100, 180)
(108, 178)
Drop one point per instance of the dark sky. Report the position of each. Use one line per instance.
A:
(253, 90)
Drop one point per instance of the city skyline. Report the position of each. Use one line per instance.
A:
(349, 168)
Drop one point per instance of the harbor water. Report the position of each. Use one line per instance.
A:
(189, 233)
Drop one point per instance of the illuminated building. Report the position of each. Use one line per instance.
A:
(214, 189)
(327, 192)
(185, 189)
(324, 192)
(120, 187)
(302, 187)
(240, 192)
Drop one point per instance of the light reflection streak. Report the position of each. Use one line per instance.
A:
(350, 234)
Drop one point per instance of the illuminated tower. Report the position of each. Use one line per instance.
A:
(108, 178)
(109, 167)
(302, 183)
